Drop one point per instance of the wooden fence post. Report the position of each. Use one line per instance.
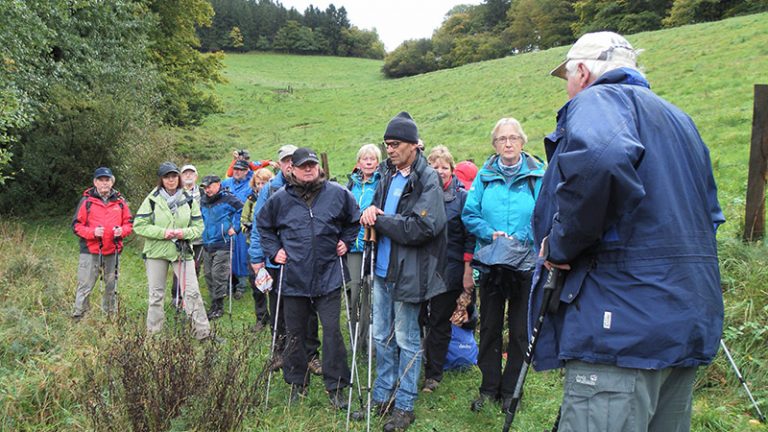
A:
(754, 219)
(324, 164)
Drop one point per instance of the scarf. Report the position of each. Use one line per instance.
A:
(172, 200)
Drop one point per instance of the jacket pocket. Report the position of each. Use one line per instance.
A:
(598, 398)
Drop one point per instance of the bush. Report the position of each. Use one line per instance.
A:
(146, 382)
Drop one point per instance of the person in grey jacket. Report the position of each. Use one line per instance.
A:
(408, 215)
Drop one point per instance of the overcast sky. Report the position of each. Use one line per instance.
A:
(394, 20)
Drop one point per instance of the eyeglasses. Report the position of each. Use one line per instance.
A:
(392, 144)
(509, 138)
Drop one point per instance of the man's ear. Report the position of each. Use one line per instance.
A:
(585, 76)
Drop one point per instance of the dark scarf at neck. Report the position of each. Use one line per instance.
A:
(307, 191)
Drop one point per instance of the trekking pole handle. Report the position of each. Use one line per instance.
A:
(370, 235)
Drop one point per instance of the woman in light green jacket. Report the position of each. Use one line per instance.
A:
(169, 219)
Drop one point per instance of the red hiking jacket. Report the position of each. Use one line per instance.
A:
(93, 212)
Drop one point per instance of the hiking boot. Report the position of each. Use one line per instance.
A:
(338, 401)
(315, 366)
(297, 392)
(430, 385)
(238, 295)
(215, 314)
(277, 362)
(506, 402)
(399, 420)
(478, 404)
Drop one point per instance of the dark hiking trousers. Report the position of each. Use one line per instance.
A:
(334, 358)
(312, 341)
(438, 332)
(500, 288)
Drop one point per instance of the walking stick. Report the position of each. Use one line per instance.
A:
(117, 272)
(760, 415)
(553, 284)
(274, 332)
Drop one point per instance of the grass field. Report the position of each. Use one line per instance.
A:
(334, 105)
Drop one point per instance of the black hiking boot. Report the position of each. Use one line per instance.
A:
(399, 421)
(297, 392)
(338, 400)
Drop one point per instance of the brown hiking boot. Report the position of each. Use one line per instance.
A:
(277, 362)
(315, 366)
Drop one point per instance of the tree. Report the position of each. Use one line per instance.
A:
(694, 11)
(539, 24)
(619, 15)
(495, 13)
(236, 38)
(361, 43)
(187, 75)
(412, 57)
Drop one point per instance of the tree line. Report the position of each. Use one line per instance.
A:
(91, 83)
(498, 28)
(264, 25)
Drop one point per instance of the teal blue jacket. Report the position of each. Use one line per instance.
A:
(497, 204)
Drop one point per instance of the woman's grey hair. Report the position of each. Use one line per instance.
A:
(369, 149)
(509, 121)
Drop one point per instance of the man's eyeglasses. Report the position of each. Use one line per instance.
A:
(392, 144)
(506, 139)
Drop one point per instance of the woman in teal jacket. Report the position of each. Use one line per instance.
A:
(500, 204)
(362, 183)
(168, 219)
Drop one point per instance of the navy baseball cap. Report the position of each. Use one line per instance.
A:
(102, 172)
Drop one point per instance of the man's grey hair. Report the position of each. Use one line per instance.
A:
(599, 67)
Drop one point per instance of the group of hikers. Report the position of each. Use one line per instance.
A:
(626, 212)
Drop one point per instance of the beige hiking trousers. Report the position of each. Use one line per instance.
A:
(157, 273)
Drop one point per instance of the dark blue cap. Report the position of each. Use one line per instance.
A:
(102, 172)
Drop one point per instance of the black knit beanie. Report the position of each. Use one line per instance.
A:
(403, 128)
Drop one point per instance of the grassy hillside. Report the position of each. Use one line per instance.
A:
(47, 362)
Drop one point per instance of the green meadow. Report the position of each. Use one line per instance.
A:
(335, 105)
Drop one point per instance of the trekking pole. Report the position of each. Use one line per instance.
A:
(760, 415)
(353, 345)
(231, 241)
(182, 288)
(370, 239)
(274, 333)
(101, 263)
(553, 284)
(117, 272)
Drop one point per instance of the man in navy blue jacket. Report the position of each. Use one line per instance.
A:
(628, 207)
(306, 227)
(221, 216)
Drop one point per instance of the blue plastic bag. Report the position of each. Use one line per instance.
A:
(462, 350)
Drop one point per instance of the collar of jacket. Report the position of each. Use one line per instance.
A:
(625, 76)
(530, 167)
(417, 167)
(205, 199)
(114, 194)
(306, 191)
(356, 177)
(449, 193)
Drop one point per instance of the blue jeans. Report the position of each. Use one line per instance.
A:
(397, 339)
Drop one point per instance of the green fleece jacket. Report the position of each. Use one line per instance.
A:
(154, 217)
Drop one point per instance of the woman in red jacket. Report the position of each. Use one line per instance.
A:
(101, 221)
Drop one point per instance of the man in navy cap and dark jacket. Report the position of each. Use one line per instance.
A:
(306, 227)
